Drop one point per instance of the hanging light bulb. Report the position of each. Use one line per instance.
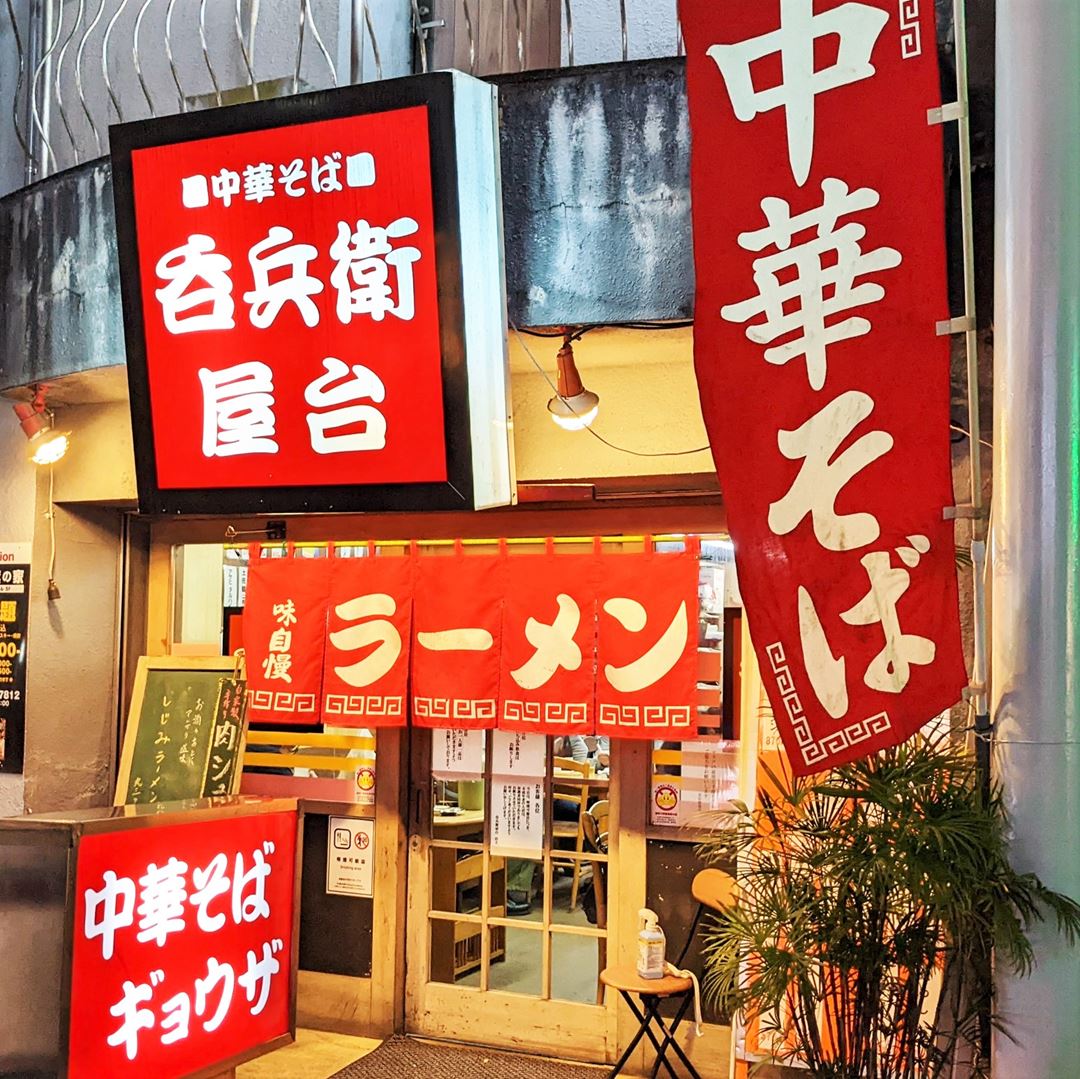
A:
(47, 445)
(575, 407)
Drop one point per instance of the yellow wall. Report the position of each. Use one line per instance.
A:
(648, 403)
(100, 466)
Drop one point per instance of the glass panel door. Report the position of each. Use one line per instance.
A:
(510, 867)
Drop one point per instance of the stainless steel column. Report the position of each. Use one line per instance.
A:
(1035, 643)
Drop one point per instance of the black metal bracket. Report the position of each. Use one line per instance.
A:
(274, 532)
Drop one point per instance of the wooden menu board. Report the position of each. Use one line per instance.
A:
(186, 730)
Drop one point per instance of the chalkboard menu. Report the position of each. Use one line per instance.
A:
(186, 731)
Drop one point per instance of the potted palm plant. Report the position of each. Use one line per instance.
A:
(871, 899)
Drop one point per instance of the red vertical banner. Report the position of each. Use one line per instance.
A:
(457, 640)
(647, 645)
(549, 644)
(819, 236)
(366, 667)
(284, 638)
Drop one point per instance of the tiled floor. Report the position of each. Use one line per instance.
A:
(314, 1055)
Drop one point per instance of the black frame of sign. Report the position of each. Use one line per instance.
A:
(436, 92)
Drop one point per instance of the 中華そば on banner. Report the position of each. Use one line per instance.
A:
(819, 237)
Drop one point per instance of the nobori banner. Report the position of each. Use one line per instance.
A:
(819, 235)
(314, 301)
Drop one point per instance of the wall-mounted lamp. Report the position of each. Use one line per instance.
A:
(575, 407)
(47, 445)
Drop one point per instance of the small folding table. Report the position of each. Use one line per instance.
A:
(650, 992)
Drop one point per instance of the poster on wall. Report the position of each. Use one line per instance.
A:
(819, 238)
(457, 753)
(516, 754)
(517, 815)
(692, 782)
(14, 617)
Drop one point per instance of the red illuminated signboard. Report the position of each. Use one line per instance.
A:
(183, 945)
(314, 302)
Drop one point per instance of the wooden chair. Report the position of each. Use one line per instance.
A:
(713, 889)
(577, 792)
(599, 812)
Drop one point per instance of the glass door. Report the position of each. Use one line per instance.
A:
(510, 871)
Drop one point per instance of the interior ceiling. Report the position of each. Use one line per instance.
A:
(605, 347)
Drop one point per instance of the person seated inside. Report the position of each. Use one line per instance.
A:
(581, 749)
(519, 872)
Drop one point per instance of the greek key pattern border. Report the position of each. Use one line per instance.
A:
(452, 708)
(374, 707)
(910, 30)
(815, 751)
(660, 716)
(554, 712)
(269, 700)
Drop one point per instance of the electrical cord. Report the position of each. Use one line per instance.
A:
(52, 535)
(581, 331)
(967, 434)
(600, 438)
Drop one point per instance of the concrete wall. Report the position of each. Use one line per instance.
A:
(71, 697)
(72, 663)
(651, 30)
(101, 466)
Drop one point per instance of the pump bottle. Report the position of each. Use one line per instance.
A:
(651, 946)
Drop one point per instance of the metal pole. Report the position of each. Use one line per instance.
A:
(979, 673)
(1036, 529)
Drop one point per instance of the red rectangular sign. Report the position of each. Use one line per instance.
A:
(313, 292)
(182, 946)
(819, 235)
(285, 638)
(290, 305)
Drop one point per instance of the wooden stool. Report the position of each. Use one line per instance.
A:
(651, 991)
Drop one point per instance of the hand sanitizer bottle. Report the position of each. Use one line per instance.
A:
(651, 946)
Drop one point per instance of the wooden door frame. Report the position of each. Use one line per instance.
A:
(372, 1007)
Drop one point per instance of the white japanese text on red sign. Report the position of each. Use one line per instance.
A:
(806, 286)
(372, 278)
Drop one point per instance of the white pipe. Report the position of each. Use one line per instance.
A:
(1035, 536)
